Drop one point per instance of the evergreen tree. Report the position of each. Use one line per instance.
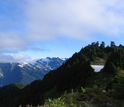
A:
(112, 44)
(115, 61)
(102, 45)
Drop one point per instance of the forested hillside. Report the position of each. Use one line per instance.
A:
(75, 84)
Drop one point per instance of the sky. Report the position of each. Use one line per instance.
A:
(33, 29)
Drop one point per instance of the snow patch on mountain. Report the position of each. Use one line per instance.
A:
(1, 75)
(28, 71)
(22, 64)
(97, 68)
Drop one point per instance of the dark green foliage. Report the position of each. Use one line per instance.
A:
(102, 45)
(95, 52)
(8, 93)
(113, 44)
(115, 61)
(118, 87)
(75, 73)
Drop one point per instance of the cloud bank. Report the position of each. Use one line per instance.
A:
(13, 58)
(78, 19)
(28, 22)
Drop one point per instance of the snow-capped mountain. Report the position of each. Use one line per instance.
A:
(26, 72)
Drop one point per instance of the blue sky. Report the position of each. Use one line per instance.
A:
(32, 29)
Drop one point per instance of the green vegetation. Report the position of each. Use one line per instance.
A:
(75, 84)
(115, 61)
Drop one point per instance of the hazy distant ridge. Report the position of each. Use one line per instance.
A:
(26, 72)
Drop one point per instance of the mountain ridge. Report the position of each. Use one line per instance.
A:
(26, 72)
(75, 83)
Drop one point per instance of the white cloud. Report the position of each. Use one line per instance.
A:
(27, 23)
(13, 58)
(6, 58)
(11, 42)
(74, 18)
(20, 57)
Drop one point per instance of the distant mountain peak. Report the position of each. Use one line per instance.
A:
(22, 64)
(28, 71)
